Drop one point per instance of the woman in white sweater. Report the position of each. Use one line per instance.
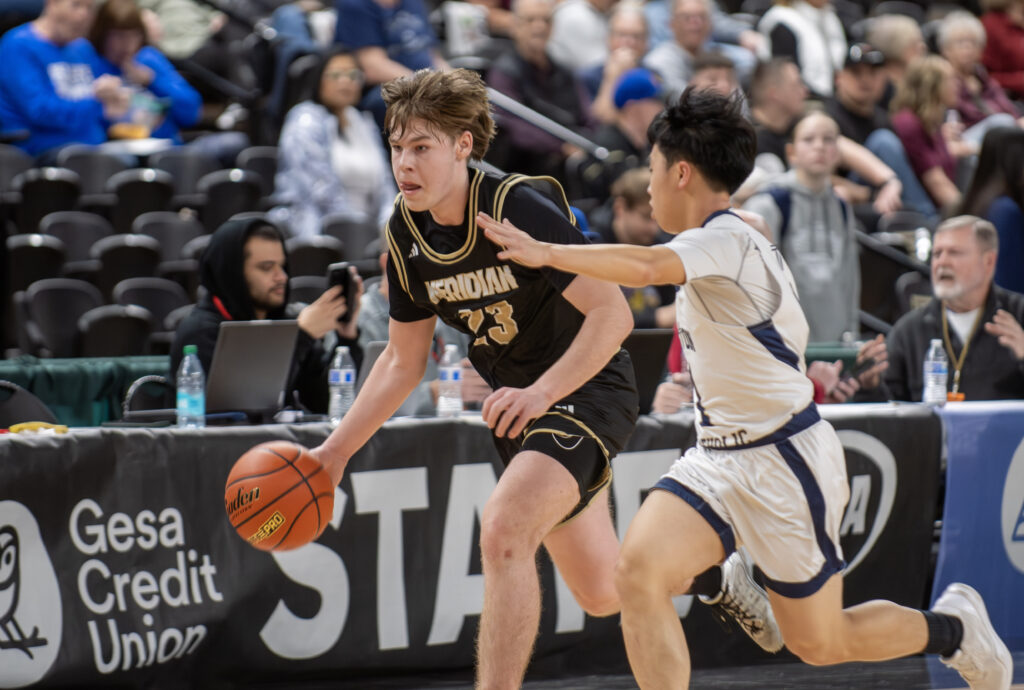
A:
(331, 158)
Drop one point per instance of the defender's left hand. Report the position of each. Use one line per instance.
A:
(1008, 331)
(508, 410)
(519, 246)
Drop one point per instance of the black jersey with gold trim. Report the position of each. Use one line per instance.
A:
(517, 318)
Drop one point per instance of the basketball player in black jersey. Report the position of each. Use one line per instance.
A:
(547, 342)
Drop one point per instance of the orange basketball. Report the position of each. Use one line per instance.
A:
(278, 497)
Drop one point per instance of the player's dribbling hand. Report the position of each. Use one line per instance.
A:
(507, 411)
(519, 246)
(334, 465)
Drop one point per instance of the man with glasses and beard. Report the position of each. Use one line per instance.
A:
(978, 322)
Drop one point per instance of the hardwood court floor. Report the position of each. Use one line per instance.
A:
(903, 674)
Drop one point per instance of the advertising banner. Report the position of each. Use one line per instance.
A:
(118, 566)
(982, 542)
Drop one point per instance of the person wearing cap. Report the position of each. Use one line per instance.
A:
(856, 109)
(638, 99)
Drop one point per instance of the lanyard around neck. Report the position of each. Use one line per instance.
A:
(958, 361)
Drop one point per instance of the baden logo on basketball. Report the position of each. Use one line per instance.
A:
(242, 501)
(1013, 510)
(31, 616)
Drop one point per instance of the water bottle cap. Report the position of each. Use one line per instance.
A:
(937, 341)
(190, 349)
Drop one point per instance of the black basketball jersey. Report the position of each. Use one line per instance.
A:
(517, 318)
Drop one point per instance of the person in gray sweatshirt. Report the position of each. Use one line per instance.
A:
(814, 229)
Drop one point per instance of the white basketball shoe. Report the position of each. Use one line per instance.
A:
(983, 660)
(746, 603)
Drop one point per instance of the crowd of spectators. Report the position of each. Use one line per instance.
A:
(917, 112)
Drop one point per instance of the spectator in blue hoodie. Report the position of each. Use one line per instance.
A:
(48, 86)
(163, 102)
(119, 37)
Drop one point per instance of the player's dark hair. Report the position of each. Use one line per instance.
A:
(710, 132)
(450, 103)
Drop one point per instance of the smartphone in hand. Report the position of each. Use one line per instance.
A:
(858, 369)
(339, 274)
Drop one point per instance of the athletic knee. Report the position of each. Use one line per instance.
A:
(503, 539)
(635, 574)
(599, 599)
(817, 650)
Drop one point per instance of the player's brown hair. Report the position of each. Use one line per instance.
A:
(450, 103)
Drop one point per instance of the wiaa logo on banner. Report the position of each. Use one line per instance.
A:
(872, 494)
(31, 617)
(1013, 510)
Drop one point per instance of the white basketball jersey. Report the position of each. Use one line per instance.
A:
(742, 330)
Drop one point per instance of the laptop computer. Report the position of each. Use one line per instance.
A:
(648, 348)
(250, 367)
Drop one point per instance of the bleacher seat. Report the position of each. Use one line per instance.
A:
(187, 166)
(114, 330)
(52, 308)
(228, 192)
(79, 231)
(310, 256)
(139, 190)
(42, 191)
(33, 257)
(124, 256)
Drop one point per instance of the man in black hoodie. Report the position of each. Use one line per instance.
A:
(245, 272)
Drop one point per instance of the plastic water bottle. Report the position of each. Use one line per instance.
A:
(449, 385)
(191, 385)
(341, 379)
(936, 369)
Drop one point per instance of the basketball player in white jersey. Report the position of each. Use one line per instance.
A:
(768, 473)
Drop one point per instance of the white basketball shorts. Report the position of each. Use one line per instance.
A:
(783, 501)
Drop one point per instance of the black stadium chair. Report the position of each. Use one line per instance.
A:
(33, 257)
(94, 167)
(18, 405)
(125, 256)
(79, 231)
(43, 191)
(187, 166)
(310, 256)
(261, 160)
(13, 161)
(306, 288)
(228, 192)
(356, 235)
(53, 308)
(172, 230)
(138, 191)
(158, 295)
(114, 330)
